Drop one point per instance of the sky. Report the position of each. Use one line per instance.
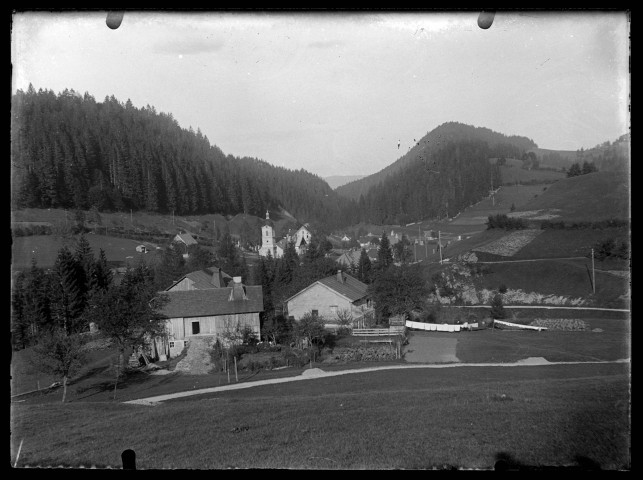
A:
(341, 93)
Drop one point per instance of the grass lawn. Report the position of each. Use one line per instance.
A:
(419, 418)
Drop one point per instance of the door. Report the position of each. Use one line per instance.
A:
(196, 328)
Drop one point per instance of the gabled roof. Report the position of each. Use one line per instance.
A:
(186, 238)
(350, 288)
(212, 302)
(282, 243)
(349, 257)
(205, 279)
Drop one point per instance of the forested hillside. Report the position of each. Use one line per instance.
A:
(457, 176)
(500, 145)
(70, 151)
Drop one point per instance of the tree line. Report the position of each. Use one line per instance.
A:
(70, 151)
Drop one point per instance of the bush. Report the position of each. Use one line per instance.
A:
(502, 288)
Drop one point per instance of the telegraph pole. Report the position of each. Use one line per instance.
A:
(440, 246)
(593, 274)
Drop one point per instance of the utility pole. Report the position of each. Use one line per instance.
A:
(440, 246)
(593, 274)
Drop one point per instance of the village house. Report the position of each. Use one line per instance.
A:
(301, 238)
(185, 238)
(211, 312)
(211, 277)
(330, 297)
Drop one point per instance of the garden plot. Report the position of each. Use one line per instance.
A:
(548, 214)
(510, 244)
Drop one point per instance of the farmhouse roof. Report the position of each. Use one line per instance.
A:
(352, 256)
(349, 287)
(211, 277)
(212, 302)
(185, 238)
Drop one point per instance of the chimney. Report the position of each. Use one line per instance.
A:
(238, 291)
(340, 277)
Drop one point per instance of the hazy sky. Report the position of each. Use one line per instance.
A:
(334, 93)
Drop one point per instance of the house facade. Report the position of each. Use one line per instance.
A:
(214, 312)
(301, 238)
(330, 296)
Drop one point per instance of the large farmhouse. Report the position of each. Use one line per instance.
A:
(331, 297)
(210, 312)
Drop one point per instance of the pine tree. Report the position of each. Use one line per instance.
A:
(384, 253)
(68, 301)
(101, 278)
(364, 267)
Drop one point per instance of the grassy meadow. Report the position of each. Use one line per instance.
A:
(412, 419)
(44, 248)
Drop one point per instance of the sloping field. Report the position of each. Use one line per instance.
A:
(569, 243)
(568, 278)
(592, 197)
(465, 417)
(516, 195)
(514, 174)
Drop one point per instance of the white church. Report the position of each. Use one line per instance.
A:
(276, 249)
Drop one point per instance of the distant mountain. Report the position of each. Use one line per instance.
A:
(335, 181)
(451, 132)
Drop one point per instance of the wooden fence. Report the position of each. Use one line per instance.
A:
(378, 332)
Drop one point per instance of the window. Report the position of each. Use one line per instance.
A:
(196, 328)
(171, 344)
(333, 309)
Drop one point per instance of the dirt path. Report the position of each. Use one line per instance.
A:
(314, 373)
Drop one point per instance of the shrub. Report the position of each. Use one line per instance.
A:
(502, 288)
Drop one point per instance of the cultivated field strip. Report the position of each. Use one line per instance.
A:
(510, 244)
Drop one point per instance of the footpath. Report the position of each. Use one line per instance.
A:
(315, 373)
